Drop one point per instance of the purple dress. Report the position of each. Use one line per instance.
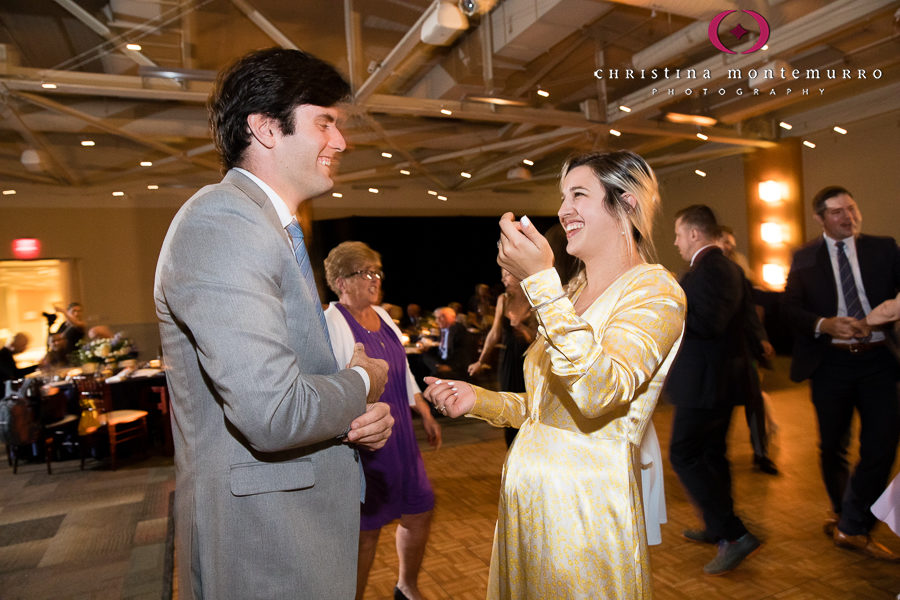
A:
(396, 483)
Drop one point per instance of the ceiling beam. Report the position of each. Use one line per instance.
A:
(404, 49)
(103, 126)
(39, 142)
(103, 31)
(267, 27)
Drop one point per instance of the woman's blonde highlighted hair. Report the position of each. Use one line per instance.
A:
(620, 173)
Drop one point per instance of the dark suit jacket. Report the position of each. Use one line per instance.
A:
(811, 292)
(712, 368)
(8, 368)
(460, 351)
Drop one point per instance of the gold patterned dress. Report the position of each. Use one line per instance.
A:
(570, 522)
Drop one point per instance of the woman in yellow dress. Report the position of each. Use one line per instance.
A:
(570, 522)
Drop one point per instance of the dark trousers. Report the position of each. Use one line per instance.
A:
(697, 452)
(755, 412)
(865, 382)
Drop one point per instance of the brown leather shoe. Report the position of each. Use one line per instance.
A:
(865, 544)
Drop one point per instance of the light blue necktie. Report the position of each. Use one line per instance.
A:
(848, 286)
(296, 232)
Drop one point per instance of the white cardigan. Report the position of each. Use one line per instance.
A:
(342, 343)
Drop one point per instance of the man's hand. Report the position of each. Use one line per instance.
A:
(372, 429)
(767, 349)
(844, 328)
(376, 369)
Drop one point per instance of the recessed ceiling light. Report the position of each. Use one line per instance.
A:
(373, 190)
(387, 155)
(444, 198)
(336, 195)
(135, 47)
(48, 86)
(152, 186)
(624, 108)
(9, 192)
(432, 192)
(701, 120)
(543, 93)
(785, 125)
(117, 194)
(840, 130)
(87, 143)
(765, 47)
(808, 144)
(464, 174)
(703, 136)
(404, 172)
(446, 111)
(146, 163)
(530, 163)
(700, 173)
(615, 132)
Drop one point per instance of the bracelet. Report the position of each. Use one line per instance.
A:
(550, 301)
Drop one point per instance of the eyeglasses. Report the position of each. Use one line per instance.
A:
(370, 275)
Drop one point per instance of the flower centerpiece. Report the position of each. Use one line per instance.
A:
(107, 351)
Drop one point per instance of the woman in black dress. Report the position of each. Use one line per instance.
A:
(514, 328)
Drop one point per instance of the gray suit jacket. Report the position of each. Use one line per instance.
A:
(266, 498)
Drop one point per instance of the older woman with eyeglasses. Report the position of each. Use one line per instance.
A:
(396, 483)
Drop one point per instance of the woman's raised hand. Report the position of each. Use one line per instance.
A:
(453, 398)
(522, 250)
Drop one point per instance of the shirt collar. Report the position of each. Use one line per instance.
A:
(699, 250)
(849, 243)
(284, 213)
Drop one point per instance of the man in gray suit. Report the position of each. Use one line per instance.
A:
(266, 424)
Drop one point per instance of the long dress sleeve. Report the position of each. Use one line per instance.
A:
(604, 367)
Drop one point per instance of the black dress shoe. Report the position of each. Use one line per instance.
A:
(398, 595)
(764, 464)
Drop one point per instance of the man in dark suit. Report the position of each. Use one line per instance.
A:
(833, 283)
(450, 359)
(8, 367)
(710, 375)
(263, 417)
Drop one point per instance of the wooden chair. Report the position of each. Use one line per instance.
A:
(59, 419)
(121, 425)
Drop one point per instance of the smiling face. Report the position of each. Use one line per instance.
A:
(306, 159)
(841, 217)
(588, 224)
(359, 292)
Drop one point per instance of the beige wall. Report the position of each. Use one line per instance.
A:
(114, 251)
(866, 161)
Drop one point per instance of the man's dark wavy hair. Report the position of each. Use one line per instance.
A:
(272, 82)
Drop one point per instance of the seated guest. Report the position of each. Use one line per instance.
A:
(8, 367)
(57, 356)
(396, 484)
(74, 326)
(412, 322)
(455, 350)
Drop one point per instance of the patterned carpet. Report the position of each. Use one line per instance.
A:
(90, 534)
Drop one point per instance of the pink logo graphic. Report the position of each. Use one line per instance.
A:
(739, 31)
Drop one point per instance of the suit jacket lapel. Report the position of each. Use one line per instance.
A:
(866, 267)
(826, 276)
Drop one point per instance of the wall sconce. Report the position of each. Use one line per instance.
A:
(774, 275)
(772, 191)
(772, 233)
